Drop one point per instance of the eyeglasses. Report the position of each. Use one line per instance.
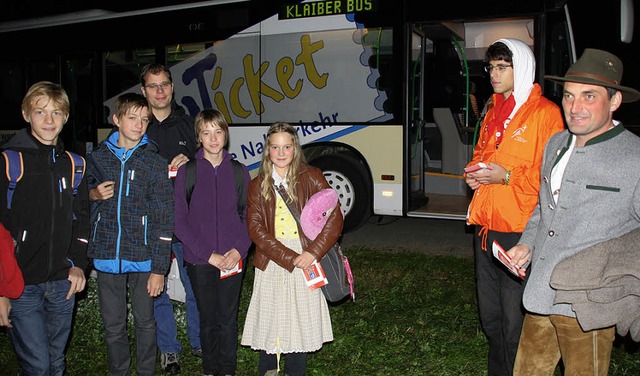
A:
(500, 67)
(162, 85)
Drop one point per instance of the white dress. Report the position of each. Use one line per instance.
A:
(284, 316)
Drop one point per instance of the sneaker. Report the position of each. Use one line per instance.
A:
(197, 352)
(169, 363)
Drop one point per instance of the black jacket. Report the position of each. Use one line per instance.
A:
(174, 135)
(41, 218)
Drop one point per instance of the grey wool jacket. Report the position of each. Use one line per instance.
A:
(606, 290)
(599, 199)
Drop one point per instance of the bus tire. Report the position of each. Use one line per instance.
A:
(351, 180)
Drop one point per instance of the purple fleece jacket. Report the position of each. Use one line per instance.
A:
(211, 223)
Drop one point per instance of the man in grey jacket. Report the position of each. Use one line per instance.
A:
(589, 193)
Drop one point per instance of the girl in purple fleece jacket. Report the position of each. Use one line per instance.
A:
(215, 241)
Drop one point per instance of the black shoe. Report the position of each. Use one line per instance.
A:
(197, 352)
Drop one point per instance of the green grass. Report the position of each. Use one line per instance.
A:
(414, 314)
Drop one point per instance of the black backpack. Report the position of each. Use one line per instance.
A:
(190, 183)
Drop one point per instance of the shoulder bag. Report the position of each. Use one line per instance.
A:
(335, 263)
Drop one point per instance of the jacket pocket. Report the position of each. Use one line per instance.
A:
(95, 227)
(602, 188)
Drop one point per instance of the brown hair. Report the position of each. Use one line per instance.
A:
(154, 69)
(211, 116)
(128, 101)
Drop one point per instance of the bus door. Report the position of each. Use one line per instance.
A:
(442, 141)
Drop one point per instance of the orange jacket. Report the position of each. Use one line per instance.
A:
(507, 208)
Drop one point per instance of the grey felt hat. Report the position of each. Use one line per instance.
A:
(597, 67)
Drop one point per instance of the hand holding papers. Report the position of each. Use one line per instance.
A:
(314, 275)
(505, 259)
(235, 270)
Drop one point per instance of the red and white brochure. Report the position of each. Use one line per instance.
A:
(233, 271)
(314, 275)
(504, 258)
(173, 171)
(476, 167)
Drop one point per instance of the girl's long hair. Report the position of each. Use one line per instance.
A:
(266, 167)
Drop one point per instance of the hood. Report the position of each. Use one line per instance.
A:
(123, 154)
(524, 70)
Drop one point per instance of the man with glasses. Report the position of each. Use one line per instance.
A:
(174, 134)
(510, 145)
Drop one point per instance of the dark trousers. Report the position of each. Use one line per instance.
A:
(112, 295)
(217, 301)
(295, 364)
(499, 302)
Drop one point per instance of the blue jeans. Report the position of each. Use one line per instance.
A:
(166, 330)
(42, 315)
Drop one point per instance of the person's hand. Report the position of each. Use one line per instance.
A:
(230, 259)
(155, 284)
(493, 174)
(5, 308)
(179, 160)
(103, 191)
(78, 281)
(216, 260)
(304, 260)
(472, 182)
(520, 257)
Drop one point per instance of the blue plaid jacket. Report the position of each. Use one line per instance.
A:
(132, 231)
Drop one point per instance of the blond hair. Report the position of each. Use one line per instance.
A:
(266, 167)
(54, 92)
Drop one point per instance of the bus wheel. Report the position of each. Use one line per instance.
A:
(351, 180)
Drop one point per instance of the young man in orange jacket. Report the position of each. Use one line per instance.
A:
(511, 143)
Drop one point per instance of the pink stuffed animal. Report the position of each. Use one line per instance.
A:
(316, 212)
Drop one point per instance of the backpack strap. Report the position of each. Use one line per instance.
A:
(190, 179)
(242, 193)
(78, 167)
(14, 171)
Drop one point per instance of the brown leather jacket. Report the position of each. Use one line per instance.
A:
(260, 219)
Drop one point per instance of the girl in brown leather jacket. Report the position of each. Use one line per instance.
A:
(284, 315)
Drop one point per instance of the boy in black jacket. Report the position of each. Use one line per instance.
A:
(50, 227)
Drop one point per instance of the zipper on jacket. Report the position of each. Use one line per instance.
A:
(18, 243)
(118, 210)
(62, 185)
(144, 225)
(52, 168)
(131, 174)
(95, 227)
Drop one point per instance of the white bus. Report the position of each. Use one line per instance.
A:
(385, 95)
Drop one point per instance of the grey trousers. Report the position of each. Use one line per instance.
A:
(112, 295)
